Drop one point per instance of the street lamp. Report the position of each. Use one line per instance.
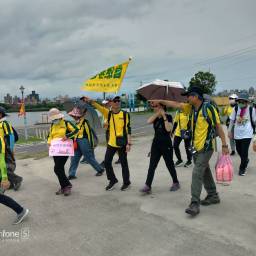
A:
(24, 115)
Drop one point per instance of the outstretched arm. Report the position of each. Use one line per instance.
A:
(169, 103)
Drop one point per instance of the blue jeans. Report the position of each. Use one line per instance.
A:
(84, 149)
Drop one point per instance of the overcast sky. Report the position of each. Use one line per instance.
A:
(52, 46)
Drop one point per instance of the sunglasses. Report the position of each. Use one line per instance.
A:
(115, 101)
(241, 101)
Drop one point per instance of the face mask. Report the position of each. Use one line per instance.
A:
(56, 121)
(241, 105)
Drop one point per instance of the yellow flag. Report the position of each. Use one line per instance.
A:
(22, 111)
(109, 80)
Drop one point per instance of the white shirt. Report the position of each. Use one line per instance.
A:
(243, 128)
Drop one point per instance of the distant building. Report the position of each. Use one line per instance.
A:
(8, 99)
(33, 98)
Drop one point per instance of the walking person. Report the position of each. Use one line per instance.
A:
(5, 184)
(227, 111)
(204, 123)
(7, 132)
(181, 129)
(85, 144)
(242, 122)
(161, 146)
(119, 140)
(61, 129)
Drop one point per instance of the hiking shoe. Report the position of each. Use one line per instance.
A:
(193, 209)
(179, 163)
(242, 172)
(21, 216)
(175, 187)
(118, 161)
(146, 190)
(59, 192)
(188, 163)
(233, 152)
(67, 191)
(126, 186)
(111, 185)
(72, 177)
(16, 185)
(210, 199)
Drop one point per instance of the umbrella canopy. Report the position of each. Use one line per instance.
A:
(91, 114)
(162, 90)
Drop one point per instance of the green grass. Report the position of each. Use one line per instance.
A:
(29, 140)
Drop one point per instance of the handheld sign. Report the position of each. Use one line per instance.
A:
(61, 148)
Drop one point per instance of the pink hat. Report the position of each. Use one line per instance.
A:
(75, 112)
(54, 113)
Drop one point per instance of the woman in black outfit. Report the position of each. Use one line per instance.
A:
(161, 146)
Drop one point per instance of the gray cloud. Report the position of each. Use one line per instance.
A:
(53, 46)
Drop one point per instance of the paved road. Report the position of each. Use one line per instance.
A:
(94, 222)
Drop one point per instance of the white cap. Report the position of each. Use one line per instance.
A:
(233, 96)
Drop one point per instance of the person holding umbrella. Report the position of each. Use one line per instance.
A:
(205, 123)
(161, 146)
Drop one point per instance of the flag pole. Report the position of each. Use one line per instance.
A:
(24, 115)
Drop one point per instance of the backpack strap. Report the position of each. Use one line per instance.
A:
(252, 123)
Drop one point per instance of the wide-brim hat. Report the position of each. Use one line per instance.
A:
(243, 96)
(54, 114)
(3, 111)
(75, 112)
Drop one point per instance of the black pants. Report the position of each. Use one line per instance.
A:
(161, 148)
(9, 202)
(110, 152)
(59, 164)
(242, 148)
(176, 144)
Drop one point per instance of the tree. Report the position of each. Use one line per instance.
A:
(205, 80)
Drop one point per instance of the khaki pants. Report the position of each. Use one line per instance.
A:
(202, 175)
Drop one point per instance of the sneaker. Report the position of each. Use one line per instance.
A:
(83, 161)
(179, 163)
(233, 152)
(59, 192)
(21, 216)
(146, 190)
(16, 185)
(242, 172)
(210, 199)
(100, 173)
(72, 177)
(111, 185)
(175, 187)
(67, 191)
(188, 163)
(126, 186)
(193, 209)
(118, 161)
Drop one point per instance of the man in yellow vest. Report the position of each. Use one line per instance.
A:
(205, 122)
(119, 140)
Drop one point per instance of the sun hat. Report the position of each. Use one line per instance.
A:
(54, 113)
(243, 96)
(75, 112)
